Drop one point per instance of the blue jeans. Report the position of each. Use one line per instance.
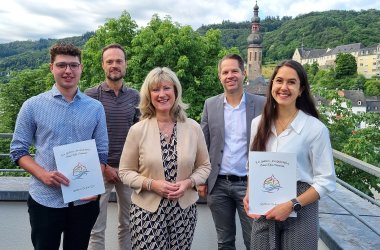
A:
(225, 198)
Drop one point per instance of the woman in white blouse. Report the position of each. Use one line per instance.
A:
(289, 123)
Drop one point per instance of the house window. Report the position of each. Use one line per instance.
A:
(359, 103)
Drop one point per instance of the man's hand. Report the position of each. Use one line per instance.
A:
(54, 179)
(111, 174)
(90, 198)
(202, 190)
(49, 178)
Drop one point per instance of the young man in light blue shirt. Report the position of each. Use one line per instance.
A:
(59, 116)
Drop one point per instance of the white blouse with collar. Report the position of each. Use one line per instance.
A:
(309, 139)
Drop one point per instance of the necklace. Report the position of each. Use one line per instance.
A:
(284, 126)
(166, 129)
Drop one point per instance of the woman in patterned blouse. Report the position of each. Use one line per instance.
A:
(163, 159)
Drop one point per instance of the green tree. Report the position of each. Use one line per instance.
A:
(345, 65)
(325, 79)
(358, 82)
(372, 87)
(314, 68)
(191, 56)
(347, 137)
(23, 85)
(121, 30)
(311, 70)
(363, 144)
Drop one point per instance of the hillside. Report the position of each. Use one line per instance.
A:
(20, 55)
(317, 29)
(281, 37)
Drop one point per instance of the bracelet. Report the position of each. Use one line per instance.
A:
(149, 184)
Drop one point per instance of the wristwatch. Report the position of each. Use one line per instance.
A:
(296, 205)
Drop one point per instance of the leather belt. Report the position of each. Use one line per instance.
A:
(232, 178)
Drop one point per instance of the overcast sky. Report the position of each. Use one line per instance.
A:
(34, 19)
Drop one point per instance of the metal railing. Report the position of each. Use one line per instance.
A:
(369, 168)
(5, 170)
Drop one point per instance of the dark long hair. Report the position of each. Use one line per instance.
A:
(304, 102)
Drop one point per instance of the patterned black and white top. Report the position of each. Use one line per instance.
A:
(169, 155)
(170, 227)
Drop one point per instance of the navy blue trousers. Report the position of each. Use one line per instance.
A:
(48, 224)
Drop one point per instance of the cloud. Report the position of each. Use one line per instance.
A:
(35, 19)
(297, 7)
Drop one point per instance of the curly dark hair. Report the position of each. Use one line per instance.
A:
(64, 49)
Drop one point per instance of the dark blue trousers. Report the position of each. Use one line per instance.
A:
(48, 224)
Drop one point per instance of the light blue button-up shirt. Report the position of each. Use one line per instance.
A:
(48, 120)
(235, 139)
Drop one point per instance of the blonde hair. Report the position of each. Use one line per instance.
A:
(155, 77)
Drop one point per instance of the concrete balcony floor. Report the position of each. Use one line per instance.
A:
(339, 228)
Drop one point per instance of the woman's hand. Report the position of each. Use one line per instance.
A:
(280, 212)
(182, 187)
(246, 207)
(164, 188)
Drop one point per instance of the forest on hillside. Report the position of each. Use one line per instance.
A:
(281, 37)
(325, 29)
(19, 55)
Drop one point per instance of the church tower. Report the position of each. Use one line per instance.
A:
(254, 55)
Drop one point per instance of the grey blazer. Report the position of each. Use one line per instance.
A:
(212, 124)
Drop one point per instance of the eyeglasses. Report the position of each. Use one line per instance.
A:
(63, 66)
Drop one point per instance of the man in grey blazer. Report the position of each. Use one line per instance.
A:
(226, 124)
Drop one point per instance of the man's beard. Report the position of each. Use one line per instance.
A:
(115, 78)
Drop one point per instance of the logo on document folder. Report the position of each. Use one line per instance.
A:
(79, 171)
(271, 184)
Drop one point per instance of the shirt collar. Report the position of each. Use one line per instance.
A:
(107, 89)
(299, 122)
(56, 92)
(241, 101)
